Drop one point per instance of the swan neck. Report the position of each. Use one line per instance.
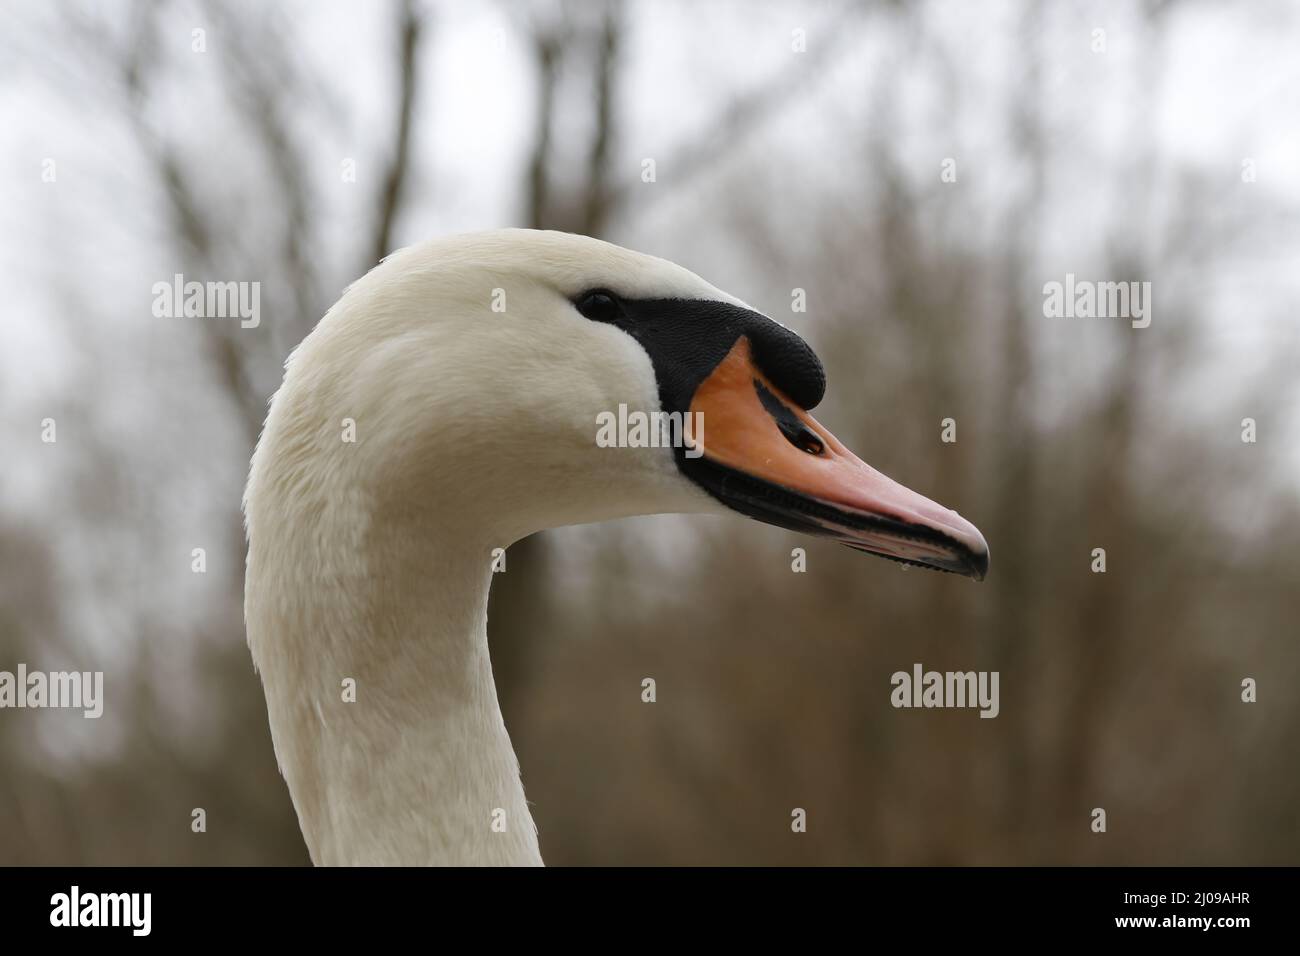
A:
(402, 756)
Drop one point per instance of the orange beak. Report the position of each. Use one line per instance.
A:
(762, 455)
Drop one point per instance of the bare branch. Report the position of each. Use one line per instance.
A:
(390, 194)
(596, 210)
(753, 110)
(548, 47)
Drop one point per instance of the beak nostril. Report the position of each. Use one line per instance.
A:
(802, 437)
(792, 427)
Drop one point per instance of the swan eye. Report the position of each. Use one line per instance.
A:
(599, 305)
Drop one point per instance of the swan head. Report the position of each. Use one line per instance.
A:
(523, 380)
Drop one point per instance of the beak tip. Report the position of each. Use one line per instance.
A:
(977, 557)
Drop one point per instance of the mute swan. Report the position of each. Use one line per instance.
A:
(446, 406)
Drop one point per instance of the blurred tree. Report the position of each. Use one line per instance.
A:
(1120, 689)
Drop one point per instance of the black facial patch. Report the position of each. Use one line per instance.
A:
(686, 339)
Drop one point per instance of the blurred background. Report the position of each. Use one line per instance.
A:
(796, 146)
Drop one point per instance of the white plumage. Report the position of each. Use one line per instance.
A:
(371, 560)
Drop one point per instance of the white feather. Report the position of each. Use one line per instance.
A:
(371, 560)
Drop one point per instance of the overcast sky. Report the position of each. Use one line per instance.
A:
(92, 240)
